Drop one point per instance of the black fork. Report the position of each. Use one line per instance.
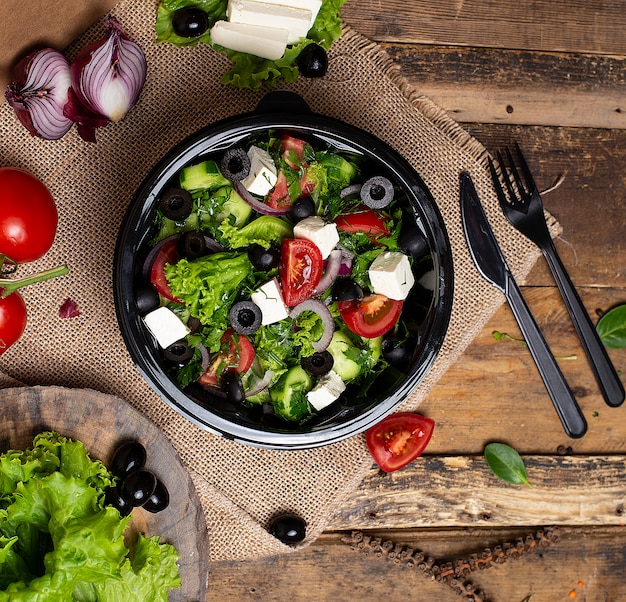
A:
(523, 208)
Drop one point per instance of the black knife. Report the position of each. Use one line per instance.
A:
(492, 266)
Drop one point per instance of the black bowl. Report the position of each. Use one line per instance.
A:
(352, 413)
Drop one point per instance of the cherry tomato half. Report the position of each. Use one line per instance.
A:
(368, 221)
(398, 439)
(167, 254)
(300, 269)
(28, 216)
(370, 316)
(236, 353)
(279, 197)
(294, 151)
(12, 320)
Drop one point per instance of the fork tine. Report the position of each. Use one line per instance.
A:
(521, 188)
(528, 176)
(507, 180)
(496, 183)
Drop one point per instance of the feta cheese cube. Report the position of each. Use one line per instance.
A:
(327, 389)
(297, 21)
(312, 5)
(165, 326)
(315, 229)
(267, 42)
(270, 299)
(390, 275)
(262, 176)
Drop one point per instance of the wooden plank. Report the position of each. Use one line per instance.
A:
(558, 25)
(455, 491)
(497, 86)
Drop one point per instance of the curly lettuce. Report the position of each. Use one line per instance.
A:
(249, 71)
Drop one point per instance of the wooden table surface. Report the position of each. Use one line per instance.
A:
(550, 75)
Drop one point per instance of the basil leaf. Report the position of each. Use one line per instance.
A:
(612, 327)
(506, 464)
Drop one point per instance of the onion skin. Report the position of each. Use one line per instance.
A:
(323, 312)
(39, 91)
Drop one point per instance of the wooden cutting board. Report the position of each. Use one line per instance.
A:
(101, 422)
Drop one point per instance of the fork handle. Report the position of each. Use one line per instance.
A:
(562, 397)
(597, 355)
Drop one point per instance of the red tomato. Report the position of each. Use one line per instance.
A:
(398, 439)
(294, 150)
(308, 182)
(370, 316)
(367, 221)
(300, 269)
(167, 254)
(12, 320)
(28, 216)
(278, 197)
(236, 353)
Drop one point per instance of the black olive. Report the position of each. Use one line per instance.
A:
(398, 353)
(179, 352)
(176, 204)
(138, 486)
(190, 22)
(146, 298)
(235, 164)
(194, 325)
(245, 317)
(263, 259)
(321, 362)
(346, 289)
(377, 192)
(113, 497)
(288, 528)
(301, 209)
(159, 500)
(191, 245)
(412, 241)
(233, 387)
(312, 61)
(128, 457)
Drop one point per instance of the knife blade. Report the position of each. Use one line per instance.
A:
(491, 264)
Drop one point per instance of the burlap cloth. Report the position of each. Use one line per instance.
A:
(240, 487)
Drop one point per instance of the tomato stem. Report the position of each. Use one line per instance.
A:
(9, 286)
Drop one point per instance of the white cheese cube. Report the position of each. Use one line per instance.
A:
(262, 176)
(315, 229)
(327, 389)
(390, 275)
(270, 299)
(310, 5)
(297, 21)
(165, 326)
(267, 42)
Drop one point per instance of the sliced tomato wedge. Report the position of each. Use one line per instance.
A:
(294, 150)
(300, 269)
(308, 182)
(368, 221)
(167, 255)
(370, 316)
(279, 197)
(399, 439)
(236, 353)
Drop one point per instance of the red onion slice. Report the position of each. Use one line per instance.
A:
(256, 204)
(262, 384)
(146, 268)
(332, 271)
(323, 312)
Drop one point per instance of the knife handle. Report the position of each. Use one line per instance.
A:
(563, 399)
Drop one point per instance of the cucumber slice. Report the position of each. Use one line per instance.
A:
(341, 348)
(203, 175)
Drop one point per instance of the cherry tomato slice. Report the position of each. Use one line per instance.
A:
(167, 254)
(371, 316)
(300, 269)
(279, 197)
(294, 150)
(12, 320)
(368, 221)
(236, 353)
(398, 439)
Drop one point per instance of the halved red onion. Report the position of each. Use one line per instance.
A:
(323, 312)
(39, 91)
(330, 274)
(256, 204)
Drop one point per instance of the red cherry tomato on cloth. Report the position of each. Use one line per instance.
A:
(398, 439)
(12, 320)
(368, 221)
(28, 216)
(167, 254)
(300, 269)
(236, 353)
(370, 316)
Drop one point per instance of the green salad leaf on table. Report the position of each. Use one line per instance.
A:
(249, 71)
(58, 541)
